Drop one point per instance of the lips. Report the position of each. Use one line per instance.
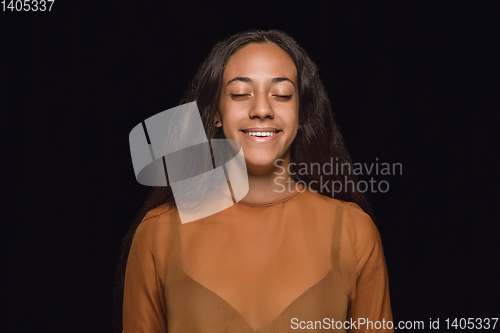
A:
(261, 129)
(261, 134)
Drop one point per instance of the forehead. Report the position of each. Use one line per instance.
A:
(260, 60)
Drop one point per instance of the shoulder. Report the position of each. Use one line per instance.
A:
(153, 237)
(365, 237)
(351, 211)
(362, 231)
(157, 223)
(360, 223)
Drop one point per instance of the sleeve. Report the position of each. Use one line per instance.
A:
(371, 307)
(143, 298)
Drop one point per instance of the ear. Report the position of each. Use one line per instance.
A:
(300, 125)
(217, 121)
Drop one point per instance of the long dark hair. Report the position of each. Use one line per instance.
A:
(318, 141)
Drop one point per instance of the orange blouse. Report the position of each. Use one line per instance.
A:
(302, 262)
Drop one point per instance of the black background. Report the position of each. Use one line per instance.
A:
(411, 82)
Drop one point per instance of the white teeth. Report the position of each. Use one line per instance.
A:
(261, 133)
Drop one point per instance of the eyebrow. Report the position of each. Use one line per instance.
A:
(246, 79)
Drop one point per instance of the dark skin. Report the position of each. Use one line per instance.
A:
(259, 95)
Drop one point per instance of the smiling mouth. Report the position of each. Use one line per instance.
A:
(261, 134)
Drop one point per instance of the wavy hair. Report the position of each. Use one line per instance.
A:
(317, 141)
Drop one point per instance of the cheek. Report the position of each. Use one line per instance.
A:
(292, 138)
(229, 127)
(227, 133)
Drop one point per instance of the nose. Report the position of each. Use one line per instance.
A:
(262, 107)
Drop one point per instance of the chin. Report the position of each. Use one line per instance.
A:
(260, 162)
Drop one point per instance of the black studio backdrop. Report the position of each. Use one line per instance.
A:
(411, 82)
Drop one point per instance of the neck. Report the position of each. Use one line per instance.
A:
(271, 184)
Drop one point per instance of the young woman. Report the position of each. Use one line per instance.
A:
(294, 253)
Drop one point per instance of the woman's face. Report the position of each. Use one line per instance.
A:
(259, 104)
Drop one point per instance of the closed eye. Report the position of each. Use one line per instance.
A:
(239, 96)
(283, 96)
(245, 95)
